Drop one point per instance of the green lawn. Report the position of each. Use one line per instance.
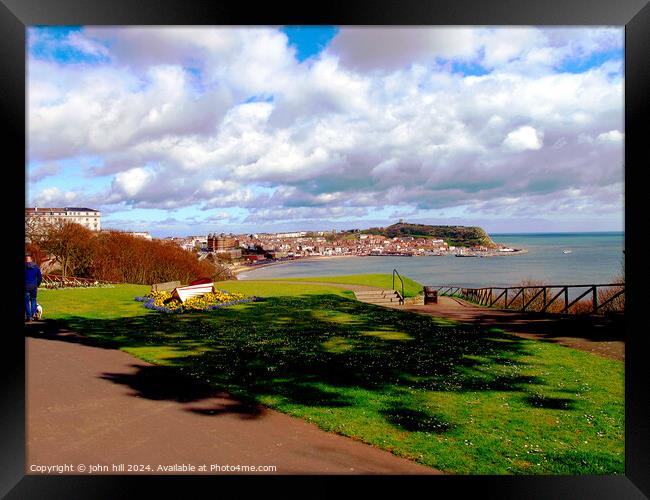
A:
(452, 396)
(411, 287)
(97, 303)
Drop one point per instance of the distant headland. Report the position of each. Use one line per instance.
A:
(459, 236)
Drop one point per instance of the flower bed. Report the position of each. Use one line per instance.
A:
(160, 301)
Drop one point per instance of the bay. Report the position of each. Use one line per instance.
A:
(595, 258)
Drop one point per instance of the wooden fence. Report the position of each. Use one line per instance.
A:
(593, 299)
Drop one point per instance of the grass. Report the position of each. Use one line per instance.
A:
(264, 288)
(117, 302)
(452, 396)
(411, 288)
(98, 303)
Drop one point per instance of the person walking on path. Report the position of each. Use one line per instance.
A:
(33, 278)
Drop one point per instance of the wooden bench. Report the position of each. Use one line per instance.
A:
(165, 287)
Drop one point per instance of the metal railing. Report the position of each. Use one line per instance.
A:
(401, 297)
(541, 298)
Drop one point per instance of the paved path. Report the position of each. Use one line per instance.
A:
(91, 405)
(598, 335)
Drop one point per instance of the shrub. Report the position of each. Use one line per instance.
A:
(618, 303)
(583, 306)
(119, 257)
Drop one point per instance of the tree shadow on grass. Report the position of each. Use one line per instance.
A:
(549, 326)
(416, 420)
(332, 347)
(540, 401)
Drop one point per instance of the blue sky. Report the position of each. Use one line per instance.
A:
(309, 41)
(51, 44)
(193, 130)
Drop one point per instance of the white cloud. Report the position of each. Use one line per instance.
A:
(303, 213)
(104, 110)
(132, 181)
(218, 186)
(371, 48)
(86, 45)
(524, 138)
(613, 136)
(53, 197)
(505, 44)
(224, 117)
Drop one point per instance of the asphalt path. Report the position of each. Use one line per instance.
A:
(94, 406)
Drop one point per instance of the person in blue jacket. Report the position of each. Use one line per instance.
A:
(33, 278)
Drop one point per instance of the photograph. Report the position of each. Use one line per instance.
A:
(382, 247)
(330, 249)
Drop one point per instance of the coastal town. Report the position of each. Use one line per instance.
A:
(245, 251)
(239, 251)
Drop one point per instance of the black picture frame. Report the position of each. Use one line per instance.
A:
(16, 15)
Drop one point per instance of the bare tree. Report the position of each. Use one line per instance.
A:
(69, 243)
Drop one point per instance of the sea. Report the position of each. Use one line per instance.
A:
(594, 258)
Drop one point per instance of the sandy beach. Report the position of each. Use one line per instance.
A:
(238, 270)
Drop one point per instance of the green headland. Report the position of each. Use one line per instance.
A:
(461, 236)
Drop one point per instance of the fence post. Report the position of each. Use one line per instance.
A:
(566, 299)
(545, 289)
(595, 296)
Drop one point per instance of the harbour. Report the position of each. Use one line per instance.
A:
(595, 257)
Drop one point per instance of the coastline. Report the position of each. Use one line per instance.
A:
(243, 269)
(238, 270)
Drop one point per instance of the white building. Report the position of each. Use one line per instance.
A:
(299, 234)
(140, 234)
(87, 217)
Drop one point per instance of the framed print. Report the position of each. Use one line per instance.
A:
(242, 241)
